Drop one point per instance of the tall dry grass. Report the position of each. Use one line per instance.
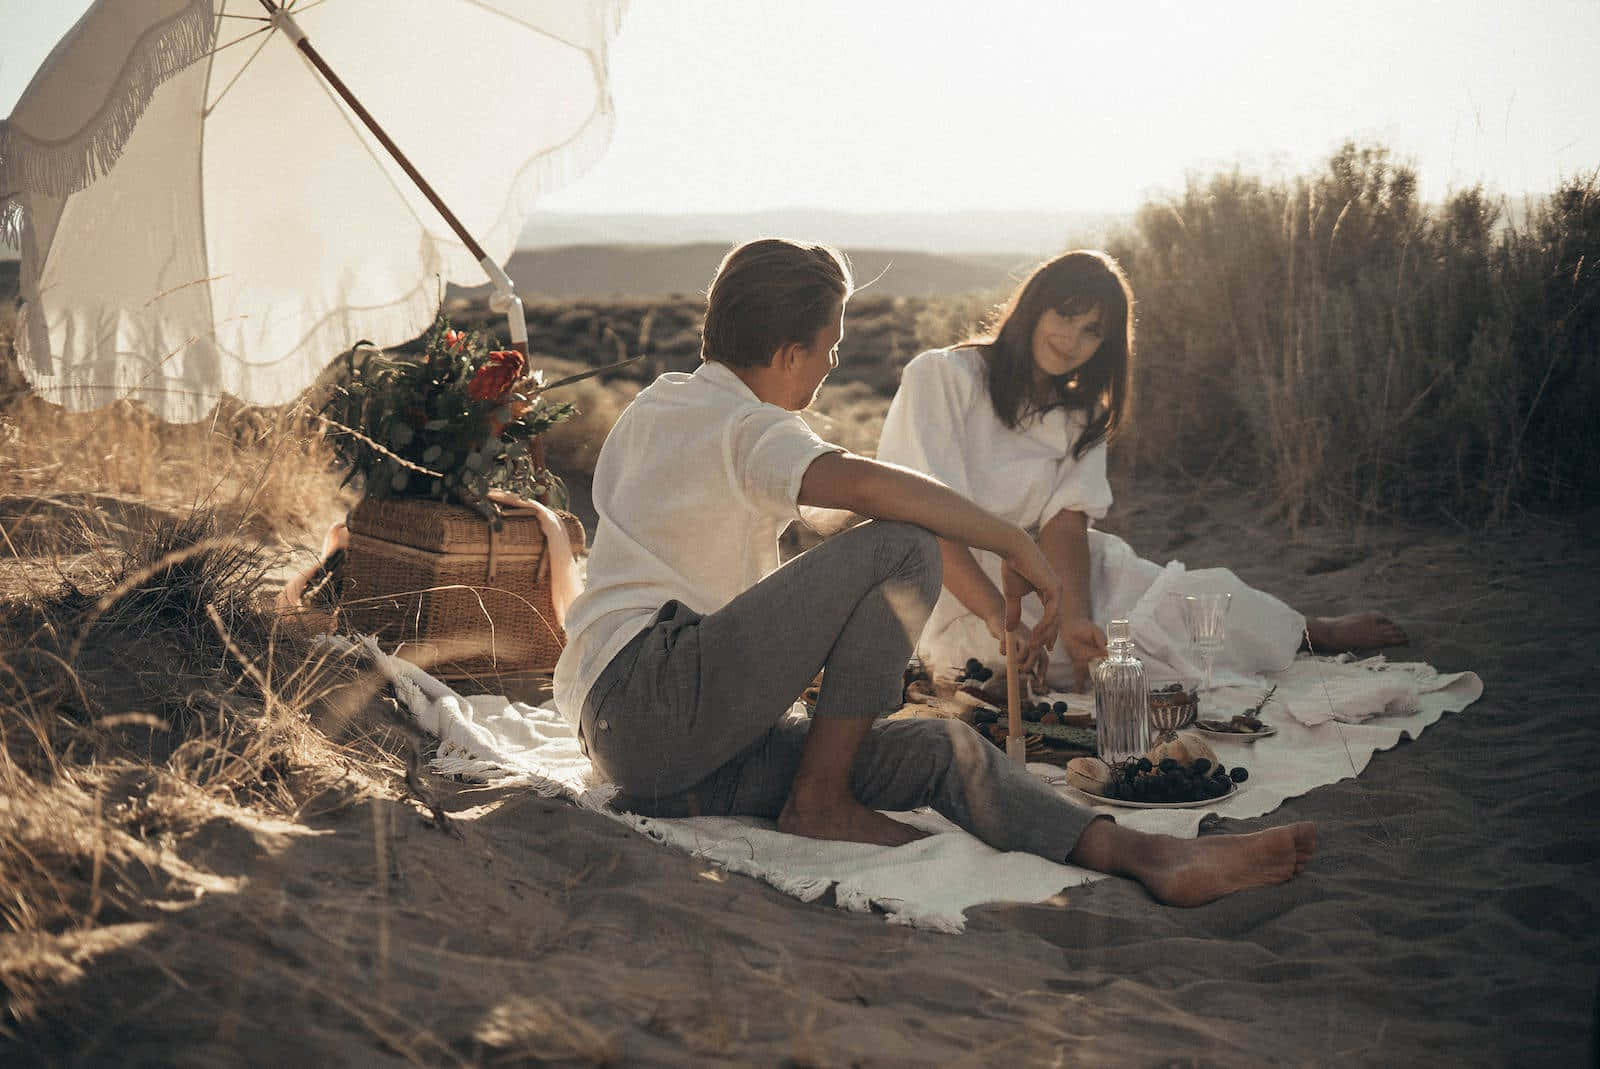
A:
(148, 686)
(270, 468)
(1363, 354)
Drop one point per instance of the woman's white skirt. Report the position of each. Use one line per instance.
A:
(1262, 632)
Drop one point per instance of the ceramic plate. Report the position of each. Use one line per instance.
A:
(1241, 736)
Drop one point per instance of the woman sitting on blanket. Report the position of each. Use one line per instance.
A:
(690, 644)
(1019, 422)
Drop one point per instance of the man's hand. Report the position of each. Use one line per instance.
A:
(1027, 572)
(1083, 642)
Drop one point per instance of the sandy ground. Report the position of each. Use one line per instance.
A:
(1448, 919)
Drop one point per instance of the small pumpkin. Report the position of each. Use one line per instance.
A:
(1185, 748)
(1089, 774)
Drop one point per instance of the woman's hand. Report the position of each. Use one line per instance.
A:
(1032, 658)
(1084, 642)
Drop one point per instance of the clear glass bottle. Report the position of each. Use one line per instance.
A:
(1121, 700)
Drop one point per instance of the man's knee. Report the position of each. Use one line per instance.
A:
(950, 744)
(915, 550)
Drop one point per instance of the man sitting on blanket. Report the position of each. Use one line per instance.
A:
(690, 644)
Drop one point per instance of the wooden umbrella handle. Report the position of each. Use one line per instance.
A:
(1016, 745)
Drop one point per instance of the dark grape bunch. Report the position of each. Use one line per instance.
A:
(1138, 780)
(1039, 712)
(1044, 712)
(974, 672)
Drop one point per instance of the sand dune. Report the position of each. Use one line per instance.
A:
(1447, 919)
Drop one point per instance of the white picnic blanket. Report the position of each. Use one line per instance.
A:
(932, 882)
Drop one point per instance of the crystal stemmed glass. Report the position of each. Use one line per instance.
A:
(1204, 615)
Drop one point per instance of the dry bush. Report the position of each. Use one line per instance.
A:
(880, 336)
(142, 686)
(1363, 354)
(849, 414)
(573, 447)
(952, 320)
(12, 384)
(270, 464)
(149, 692)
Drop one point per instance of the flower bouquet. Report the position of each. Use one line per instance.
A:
(459, 422)
(450, 550)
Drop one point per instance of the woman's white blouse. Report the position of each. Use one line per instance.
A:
(942, 422)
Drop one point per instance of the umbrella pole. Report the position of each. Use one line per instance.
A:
(505, 297)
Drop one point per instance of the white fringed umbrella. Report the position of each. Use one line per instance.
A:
(204, 206)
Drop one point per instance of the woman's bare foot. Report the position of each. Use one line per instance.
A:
(847, 821)
(1356, 631)
(294, 591)
(1192, 872)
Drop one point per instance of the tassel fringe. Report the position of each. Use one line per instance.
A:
(10, 217)
(70, 164)
(30, 169)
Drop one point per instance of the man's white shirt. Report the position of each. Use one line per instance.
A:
(693, 487)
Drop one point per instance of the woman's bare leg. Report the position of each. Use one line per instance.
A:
(1355, 631)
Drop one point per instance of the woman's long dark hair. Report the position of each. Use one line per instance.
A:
(1071, 284)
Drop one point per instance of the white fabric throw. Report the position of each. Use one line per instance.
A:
(931, 883)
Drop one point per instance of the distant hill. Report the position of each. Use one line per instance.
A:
(661, 270)
(607, 271)
(1031, 235)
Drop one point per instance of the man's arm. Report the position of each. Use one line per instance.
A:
(887, 492)
(1064, 539)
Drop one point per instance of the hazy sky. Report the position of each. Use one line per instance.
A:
(874, 105)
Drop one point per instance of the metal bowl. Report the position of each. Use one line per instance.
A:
(1172, 710)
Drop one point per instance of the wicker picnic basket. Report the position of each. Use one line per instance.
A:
(465, 600)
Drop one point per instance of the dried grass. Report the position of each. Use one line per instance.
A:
(1363, 355)
(146, 683)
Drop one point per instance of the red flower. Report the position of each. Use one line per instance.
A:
(454, 340)
(506, 414)
(496, 375)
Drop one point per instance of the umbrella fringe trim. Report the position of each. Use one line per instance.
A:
(10, 218)
(554, 168)
(65, 166)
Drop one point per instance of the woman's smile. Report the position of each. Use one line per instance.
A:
(1064, 343)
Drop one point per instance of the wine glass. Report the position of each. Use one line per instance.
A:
(1204, 616)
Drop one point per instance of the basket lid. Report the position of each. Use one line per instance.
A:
(442, 527)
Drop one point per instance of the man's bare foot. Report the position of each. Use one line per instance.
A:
(1192, 872)
(846, 821)
(1356, 631)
